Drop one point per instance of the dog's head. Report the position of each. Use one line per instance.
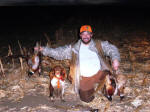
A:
(58, 71)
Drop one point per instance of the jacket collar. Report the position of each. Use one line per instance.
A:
(92, 46)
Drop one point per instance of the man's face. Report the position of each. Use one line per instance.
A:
(86, 37)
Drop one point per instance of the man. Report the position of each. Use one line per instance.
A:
(87, 66)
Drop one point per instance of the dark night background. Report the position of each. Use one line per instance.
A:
(27, 20)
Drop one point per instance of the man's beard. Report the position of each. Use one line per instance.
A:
(86, 42)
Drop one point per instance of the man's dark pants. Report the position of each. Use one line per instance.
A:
(87, 86)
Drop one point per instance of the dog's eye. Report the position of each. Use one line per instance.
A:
(57, 72)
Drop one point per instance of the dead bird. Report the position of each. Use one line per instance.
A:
(114, 86)
(34, 62)
(109, 87)
(121, 82)
(57, 82)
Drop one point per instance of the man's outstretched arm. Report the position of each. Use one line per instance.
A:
(60, 53)
(113, 52)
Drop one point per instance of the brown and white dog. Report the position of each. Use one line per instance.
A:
(57, 82)
(114, 86)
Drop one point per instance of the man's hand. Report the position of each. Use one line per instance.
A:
(38, 49)
(115, 64)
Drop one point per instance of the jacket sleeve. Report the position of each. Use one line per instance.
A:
(110, 50)
(60, 53)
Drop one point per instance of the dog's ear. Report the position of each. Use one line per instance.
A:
(52, 73)
(63, 72)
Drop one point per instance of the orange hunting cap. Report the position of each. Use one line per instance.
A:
(85, 28)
